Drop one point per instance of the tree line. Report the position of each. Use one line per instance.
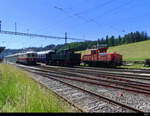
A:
(110, 41)
(128, 38)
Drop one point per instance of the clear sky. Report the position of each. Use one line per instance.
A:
(87, 19)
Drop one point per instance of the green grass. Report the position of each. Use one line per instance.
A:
(135, 51)
(84, 52)
(19, 93)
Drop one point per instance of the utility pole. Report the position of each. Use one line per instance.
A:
(15, 27)
(65, 37)
(98, 43)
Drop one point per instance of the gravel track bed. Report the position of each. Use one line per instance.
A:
(86, 101)
(98, 73)
(102, 77)
(118, 69)
(100, 80)
(138, 101)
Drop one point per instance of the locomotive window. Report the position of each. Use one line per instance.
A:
(28, 55)
(94, 52)
(32, 55)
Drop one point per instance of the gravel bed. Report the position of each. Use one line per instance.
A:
(121, 77)
(88, 74)
(85, 101)
(139, 101)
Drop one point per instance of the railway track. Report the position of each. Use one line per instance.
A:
(92, 85)
(99, 101)
(60, 77)
(136, 84)
(133, 70)
(133, 86)
(106, 72)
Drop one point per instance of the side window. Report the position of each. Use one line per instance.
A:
(94, 52)
(29, 55)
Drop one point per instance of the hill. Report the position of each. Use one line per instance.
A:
(134, 51)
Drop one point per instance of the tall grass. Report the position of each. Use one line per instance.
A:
(19, 93)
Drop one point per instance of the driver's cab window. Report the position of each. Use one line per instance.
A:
(94, 52)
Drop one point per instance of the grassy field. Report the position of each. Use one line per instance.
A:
(135, 51)
(19, 93)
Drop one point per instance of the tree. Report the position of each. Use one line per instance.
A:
(107, 38)
(119, 40)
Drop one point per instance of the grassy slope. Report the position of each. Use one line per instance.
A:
(133, 51)
(19, 93)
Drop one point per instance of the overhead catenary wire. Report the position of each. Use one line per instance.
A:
(78, 15)
(36, 35)
(112, 10)
(95, 7)
(88, 20)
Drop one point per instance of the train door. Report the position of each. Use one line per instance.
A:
(94, 55)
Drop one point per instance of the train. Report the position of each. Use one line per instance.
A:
(45, 56)
(1, 58)
(68, 57)
(28, 58)
(100, 57)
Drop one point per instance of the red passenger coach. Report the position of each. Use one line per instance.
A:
(100, 57)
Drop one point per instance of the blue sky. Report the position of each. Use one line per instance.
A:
(87, 19)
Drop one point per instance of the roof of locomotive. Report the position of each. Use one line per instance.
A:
(11, 55)
(45, 52)
(17, 54)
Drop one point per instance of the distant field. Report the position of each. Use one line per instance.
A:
(134, 51)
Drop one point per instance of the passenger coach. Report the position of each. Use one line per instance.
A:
(45, 56)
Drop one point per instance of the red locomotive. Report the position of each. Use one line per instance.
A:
(100, 57)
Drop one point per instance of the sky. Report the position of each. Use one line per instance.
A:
(85, 19)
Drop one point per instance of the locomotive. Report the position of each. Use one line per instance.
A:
(28, 58)
(66, 57)
(100, 57)
(1, 58)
